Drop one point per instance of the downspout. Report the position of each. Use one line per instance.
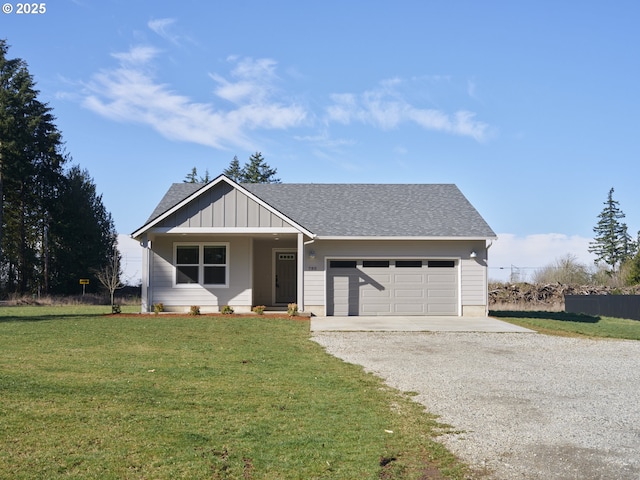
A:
(301, 262)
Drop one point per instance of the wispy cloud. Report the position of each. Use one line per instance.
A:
(251, 96)
(387, 108)
(162, 27)
(252, 80)
(130, 92)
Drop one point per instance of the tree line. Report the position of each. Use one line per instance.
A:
(54, 227)
(255, 170)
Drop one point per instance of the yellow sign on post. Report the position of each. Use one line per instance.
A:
(84, 282)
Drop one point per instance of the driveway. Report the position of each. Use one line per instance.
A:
(529, 406)
(413, 324)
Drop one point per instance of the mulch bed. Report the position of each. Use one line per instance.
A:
(266, 316)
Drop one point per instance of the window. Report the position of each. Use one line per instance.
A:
(408, 263)
(342, 264)
(441, 264)
(201, 264)
(375, 263)
(187, 262)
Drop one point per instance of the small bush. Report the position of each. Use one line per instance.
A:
(292, 309)
(259, 309)
(158, 307)
(227, 310)
(115, 308)
(194, 310)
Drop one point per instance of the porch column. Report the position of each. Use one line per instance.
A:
(300, 276)
(146, 293)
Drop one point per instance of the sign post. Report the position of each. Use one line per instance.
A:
(84, 282)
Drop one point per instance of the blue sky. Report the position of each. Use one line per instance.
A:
(531, 108)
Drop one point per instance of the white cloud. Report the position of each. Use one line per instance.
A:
(250, 97)
(253, 81)
(140, 54)
(131, 93)
(386, 108)
(162, 27)
(523, 255)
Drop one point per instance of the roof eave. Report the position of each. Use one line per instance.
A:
(403, 237)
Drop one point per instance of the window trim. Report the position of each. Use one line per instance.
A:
(201, 265)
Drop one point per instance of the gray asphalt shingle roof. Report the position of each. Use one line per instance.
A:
(369, 210)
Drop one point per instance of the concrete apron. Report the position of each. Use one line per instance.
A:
(413, 324)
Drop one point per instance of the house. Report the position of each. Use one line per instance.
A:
(334, 249)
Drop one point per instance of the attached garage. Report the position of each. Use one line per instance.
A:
(392, 287)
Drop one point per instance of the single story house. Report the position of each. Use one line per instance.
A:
(334, 249)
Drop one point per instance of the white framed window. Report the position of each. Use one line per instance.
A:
(204, 264)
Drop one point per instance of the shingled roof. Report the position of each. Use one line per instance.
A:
(362, 210)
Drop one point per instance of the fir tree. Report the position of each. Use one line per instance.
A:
(83, 238)
(612, 243)
(256, 170)
(31, 170)
(233, 171)
(53, 226)
(193, 177)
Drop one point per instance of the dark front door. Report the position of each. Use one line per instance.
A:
(286, 277)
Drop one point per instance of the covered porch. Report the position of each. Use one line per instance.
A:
(262, 267)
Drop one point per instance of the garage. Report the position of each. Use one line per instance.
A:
(392, 287)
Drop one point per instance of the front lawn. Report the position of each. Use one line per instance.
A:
(561, 323)
(86, 395)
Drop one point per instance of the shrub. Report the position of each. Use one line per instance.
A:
(259, 309)
(115, 308)
(566, 270)
(194, 310)
(158, 307)
(227, 310)
(292, 309)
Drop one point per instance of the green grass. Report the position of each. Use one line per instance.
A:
(561, 323)
(86, 395)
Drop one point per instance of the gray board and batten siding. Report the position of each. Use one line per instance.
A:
(222, 206)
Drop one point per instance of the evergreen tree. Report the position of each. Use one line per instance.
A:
(612, 243)
(193, 177)
(83, 237)
(54, 228)
(256, 170)
(31, 169)
(633, 276)
(233, 171)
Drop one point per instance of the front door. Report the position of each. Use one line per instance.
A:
(286, 277)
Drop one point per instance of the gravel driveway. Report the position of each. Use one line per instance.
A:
(531, 406)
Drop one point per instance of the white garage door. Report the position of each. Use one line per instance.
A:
(392, 287)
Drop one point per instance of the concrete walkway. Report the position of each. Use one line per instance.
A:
(413, 324)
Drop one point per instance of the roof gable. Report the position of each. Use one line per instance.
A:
(220, 204)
